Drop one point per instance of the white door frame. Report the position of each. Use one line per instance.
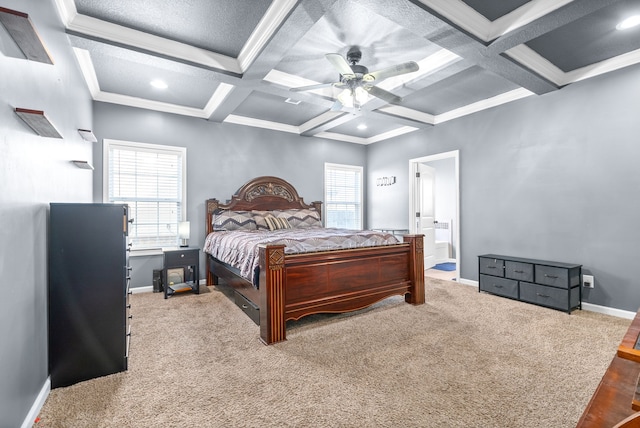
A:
(455, 154)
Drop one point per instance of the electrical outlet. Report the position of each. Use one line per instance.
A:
(587, 281)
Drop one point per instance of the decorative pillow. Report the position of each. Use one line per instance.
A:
(302, 218)
(260, 218)
(233, 220)
(297, 218)
(276, 223)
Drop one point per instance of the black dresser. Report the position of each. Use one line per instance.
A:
(89, 277)
(552, 284)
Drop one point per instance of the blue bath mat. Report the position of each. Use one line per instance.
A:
(445, 266)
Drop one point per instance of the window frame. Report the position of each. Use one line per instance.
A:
(352, 168)
(153, 148)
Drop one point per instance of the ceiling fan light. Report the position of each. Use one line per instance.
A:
(346, 98)
(353, 99)
(630, 22)
(361, 95)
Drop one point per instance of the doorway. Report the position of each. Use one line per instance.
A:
(442, 236)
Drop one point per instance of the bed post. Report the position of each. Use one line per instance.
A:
(416, 269)
(211, 205)
(272, 289)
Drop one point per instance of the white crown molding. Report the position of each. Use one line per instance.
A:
(320, 119)
(504, 98)
(116, 33)
(463, 15)
(606, 66)
(275, 126)
(475, 23)
(341, 137)
(67, 10)
(370, 140)
(219, 95)
(259, 123)
(408, 113)
(126, 100)
(89, 74)
(390, 134)
(536, 62)
(88, 71)
(272, 19)
(523, 15)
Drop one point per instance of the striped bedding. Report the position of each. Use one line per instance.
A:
(239, 248)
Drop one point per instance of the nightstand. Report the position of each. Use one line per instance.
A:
(180, 271)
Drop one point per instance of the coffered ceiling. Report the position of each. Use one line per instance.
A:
(236, 61)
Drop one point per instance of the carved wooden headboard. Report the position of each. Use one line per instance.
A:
(264, 194)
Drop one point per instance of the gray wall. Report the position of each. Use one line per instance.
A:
(553, 177)
(220, 158)
(34, 171)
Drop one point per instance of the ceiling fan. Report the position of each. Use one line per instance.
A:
(357, 81)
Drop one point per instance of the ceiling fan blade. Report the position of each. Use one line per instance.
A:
(311, 87)
(396, 70)
(383, 95)
(340, 64)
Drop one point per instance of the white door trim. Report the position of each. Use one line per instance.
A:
(455, 154)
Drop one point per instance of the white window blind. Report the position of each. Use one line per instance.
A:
(343, 196)
(151, 179)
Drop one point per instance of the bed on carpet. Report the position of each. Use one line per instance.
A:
(270, 246)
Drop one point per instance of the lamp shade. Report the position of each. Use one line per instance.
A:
(184, 230)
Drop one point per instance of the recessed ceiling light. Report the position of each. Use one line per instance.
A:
(158, 84)
(362, 126)
(630, 22)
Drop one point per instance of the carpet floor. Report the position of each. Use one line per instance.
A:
(463, 359)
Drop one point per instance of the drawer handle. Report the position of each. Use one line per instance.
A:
(497, 286)
(518, 271)
(543, 295)
(491, 267)
(550, 276)
(244, 306)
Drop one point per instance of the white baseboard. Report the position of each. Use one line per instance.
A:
(468, 282)
(585, 305)
(37, 405)
(608, 311)
(146, 289)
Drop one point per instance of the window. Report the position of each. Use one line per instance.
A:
(343, 196)
(151, 179)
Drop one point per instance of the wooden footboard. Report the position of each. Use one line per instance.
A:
(293, 286)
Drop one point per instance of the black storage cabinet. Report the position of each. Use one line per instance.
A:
(88, 291)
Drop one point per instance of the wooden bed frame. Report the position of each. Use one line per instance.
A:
(295, 285)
